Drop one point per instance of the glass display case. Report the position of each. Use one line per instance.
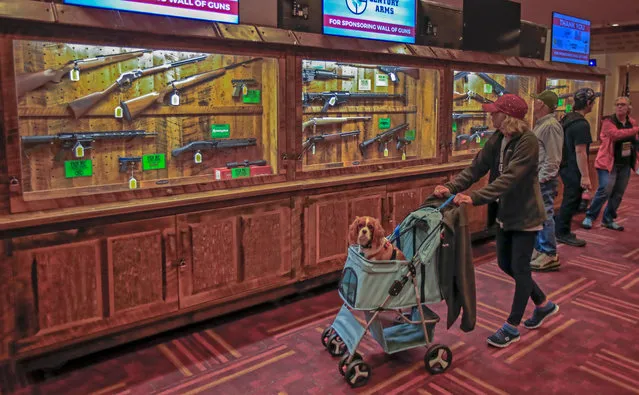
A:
(362, 114)
(109, 118)
(471, 126)
(565, 89)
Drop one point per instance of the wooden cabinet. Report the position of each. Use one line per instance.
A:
(72, 284)
(326, 219)
(229, 252)
(404, 198)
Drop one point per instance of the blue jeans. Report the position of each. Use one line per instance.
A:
(611, 189)
(546, 242)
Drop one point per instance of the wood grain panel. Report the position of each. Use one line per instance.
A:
(214, 254)
(402, 204)
(261, 252)
(136, 270)
(332, 229)
(7, 303)
(68, 285)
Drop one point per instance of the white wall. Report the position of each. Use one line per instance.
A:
(258, 12)
(612, 61)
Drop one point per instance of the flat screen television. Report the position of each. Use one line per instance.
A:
(385, 20)
(570, 42)
(491, 26)
(226, 11)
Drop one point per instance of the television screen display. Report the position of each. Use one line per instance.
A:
(386, 20)
(226, 11)
(491, 26)
(570, 39)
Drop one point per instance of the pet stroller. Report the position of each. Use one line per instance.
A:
(375, 287)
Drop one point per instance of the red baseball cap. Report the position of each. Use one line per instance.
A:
(509, 104)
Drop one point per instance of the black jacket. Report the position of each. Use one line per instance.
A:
(455, 265)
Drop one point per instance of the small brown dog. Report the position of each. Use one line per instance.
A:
(368, 233)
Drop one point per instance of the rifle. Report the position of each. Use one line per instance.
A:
(382, 138)
(568, 95)
(81, 106)
(402, 142)
(461, 74)
(462, 140)
(311, 141)
(497, 87)
(391, 71)
(214, 144)
(30, 81)
(470, 95)
(240, 85)
(134, 107)
(245, 163)
(71, 140)
(309, 75)
(330, 120)
(334, 98)
(469, 115)
(480, 131)
(126, 162)
(555, 87)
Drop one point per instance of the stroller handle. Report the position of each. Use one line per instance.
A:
(447, 202)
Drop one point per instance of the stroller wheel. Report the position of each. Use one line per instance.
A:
(343, 365)
(357, 373)
(326, 335)
(336, 346)
(438, 358)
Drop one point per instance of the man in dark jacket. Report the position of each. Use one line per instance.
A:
(511, 155)
(574, 164)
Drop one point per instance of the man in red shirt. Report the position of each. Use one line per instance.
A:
(615, 158)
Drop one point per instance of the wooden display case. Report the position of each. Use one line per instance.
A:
(471, 126)
(182, 246)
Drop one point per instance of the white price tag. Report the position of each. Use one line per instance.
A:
(349, 71)
(381, 80)
(347, 85)
(118, 112)
(364, 84)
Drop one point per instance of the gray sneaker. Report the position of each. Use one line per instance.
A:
(587, 223)
(612, 225)
(545, 262)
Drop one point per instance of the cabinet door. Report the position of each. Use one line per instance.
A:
(406, 197)
(477, 215)
(325, 223)
(231, 252)
(72, 284)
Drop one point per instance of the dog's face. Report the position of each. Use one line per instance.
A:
(367, 232)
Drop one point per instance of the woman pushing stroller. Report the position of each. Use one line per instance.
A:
(515, 203)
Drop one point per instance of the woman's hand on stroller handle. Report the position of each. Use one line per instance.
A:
(460, 199)
(441, 191)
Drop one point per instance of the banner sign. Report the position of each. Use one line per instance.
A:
(570, 39)
(386, 20)
(226, 11)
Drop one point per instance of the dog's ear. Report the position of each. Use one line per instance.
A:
(378, 236)
(353, 232)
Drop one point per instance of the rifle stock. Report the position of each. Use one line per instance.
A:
(81, 106)
(134, 107)
(30, 81)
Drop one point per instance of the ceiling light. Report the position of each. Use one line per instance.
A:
(615, 24)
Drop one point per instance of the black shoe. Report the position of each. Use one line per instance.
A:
(502, 338)
(540, 314)
(570, 239)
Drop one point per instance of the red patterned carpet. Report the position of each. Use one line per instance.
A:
(591, 345)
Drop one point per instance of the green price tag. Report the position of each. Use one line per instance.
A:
(384, 123)
(455, 127)
(253, 96)
(153, 162)
(410, 135)
(560, 102)
(488, 88)
(78, 168)
(239, 172)
(220, 131)
(568, 108)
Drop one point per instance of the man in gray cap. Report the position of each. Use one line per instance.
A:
(550, 136)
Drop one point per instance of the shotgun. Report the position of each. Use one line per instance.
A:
(30, 81)
(134, 107)
(81, 106)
